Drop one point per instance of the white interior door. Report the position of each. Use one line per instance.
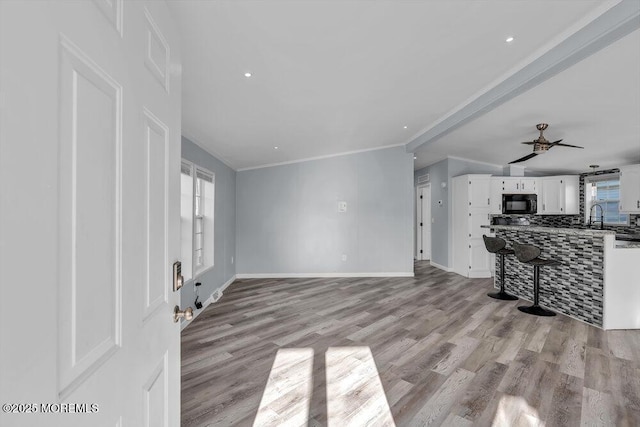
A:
(423, 223)
(89, 160)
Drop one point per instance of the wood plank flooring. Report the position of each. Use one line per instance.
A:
(445, 354)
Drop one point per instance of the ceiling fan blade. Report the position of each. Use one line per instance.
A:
(522, 159)
(569, 145)
(529, 142)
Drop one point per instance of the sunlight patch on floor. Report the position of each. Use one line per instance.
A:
(355, 396)
(515, 411)
(287, 395)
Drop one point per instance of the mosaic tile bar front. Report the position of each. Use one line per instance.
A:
(575, 287)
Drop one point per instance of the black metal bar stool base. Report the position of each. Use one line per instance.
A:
(536, 310)
(502, 295)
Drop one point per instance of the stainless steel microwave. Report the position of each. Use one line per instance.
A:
(519, 203)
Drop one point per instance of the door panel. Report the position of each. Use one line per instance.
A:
(157, 282)
(157, 51)
(155, 389)
(89, 250)
(89, 162)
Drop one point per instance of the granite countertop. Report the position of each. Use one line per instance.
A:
(551, 230)
(628, 245)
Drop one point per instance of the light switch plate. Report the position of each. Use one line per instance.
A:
(342, 206)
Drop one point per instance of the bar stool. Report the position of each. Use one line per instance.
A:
(496, 245)
(529, 254)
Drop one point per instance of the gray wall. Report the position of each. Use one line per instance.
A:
(288, 221)
(224, 225)
(441, 172)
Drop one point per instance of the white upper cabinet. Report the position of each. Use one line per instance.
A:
(479, 191)
(560, 195)
(510, 185)
(515, 185)
(630, 189)
(496, 195)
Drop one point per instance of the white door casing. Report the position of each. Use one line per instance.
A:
(89, 160)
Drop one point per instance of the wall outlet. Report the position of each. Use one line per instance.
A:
(344, 257)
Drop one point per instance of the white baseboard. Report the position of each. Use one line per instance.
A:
(320, 275)
(441, 267)
(228, 283)
(215, 296)
(484, 275)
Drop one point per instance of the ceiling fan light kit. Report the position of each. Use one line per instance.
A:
(541, 145)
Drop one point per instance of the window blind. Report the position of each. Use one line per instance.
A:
(204, 175)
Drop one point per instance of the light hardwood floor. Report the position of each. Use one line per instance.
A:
(445, 353)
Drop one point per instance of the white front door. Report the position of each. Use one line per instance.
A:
(89, 160)
(423, 223)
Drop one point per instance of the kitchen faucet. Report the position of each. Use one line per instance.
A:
(601, 215)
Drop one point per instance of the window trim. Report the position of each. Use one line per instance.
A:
(199, 172)
(588, 203)
(206, 175)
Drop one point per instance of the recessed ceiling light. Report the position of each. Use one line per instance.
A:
(405, 127)
(509, 39)
(275, 148)
(247, 74)
(415, 157)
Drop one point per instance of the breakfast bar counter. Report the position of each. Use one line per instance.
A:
(598, 280)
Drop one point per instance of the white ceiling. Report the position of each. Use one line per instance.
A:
(594, 104)
(338, 76)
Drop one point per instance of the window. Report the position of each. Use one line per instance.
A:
(196, 217)
(604, 190)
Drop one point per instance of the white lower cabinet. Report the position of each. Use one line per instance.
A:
(471, 203)
(479, 259)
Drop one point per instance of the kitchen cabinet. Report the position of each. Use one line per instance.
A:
(510, 185)
(560, 195)
(471, 199)
(630, 189)
(515, 185)
(495, 206)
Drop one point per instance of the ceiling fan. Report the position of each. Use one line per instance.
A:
(542, 145)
